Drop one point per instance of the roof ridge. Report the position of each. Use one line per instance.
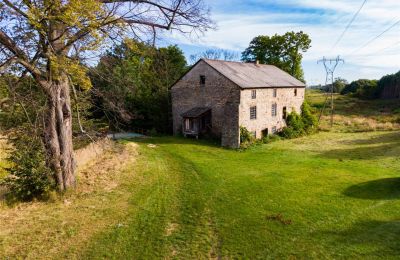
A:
(239, 62)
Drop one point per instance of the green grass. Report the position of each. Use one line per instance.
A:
(335, 194)
(356, 115)
(330, 195)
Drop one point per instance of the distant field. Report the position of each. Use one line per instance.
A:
(355, 115)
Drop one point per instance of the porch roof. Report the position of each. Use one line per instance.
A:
(196, 112)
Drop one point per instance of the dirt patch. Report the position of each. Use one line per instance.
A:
(171, 227)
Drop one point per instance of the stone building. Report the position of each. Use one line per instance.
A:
(217, 97)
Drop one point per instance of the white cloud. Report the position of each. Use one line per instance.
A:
(237, 28)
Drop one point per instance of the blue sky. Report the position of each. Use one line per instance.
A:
(324, 20)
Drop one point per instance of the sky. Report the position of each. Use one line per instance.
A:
(239, 21)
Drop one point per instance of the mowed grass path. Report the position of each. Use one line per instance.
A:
(330, 195)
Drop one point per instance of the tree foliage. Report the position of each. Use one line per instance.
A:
(362, 88)
(389, 86)
(51, 40)
(283, 51)
(132, 85)
(28, 177)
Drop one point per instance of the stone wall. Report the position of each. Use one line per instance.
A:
(218, 90)
(263, 101)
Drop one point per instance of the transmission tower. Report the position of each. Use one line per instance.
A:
(330, 67)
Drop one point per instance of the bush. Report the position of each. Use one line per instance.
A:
(298, 125)
(246, 136)
(28, 177)
(307, 116)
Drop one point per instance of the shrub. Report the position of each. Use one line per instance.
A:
(298, 125)
(246, 136)
(307, 116)
(28, 177)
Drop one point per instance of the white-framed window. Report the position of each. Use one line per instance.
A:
(274, 92)
(253, 113)
(274, 109)
(253, 94)
(273, 130)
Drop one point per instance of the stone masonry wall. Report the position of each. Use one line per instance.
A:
(218, 90)
(263, 101)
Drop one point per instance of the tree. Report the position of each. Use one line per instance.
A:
(283, 51)
(215, 54)
(362, 88)
(50, 39)
(339, 84)
(389, 86)
(131, 85)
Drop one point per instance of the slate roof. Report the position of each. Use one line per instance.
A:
(196, 112)
(251, 75)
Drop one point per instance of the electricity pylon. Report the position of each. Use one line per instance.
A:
(330, 67)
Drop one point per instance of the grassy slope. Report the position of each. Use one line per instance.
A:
(330, 195)
(337, 195)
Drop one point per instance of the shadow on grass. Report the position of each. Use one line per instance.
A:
(382, 189)
(386, 138)
(363, 153)
(382, 236)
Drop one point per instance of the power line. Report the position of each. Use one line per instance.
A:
(378, 52)
(377, 37)
(330, 67)
(350, 23)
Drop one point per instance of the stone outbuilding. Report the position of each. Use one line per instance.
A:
(217, 97)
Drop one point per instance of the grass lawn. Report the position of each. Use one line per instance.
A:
(326, 196)
(330, 195)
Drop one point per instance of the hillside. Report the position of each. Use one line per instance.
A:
(329, 195)
(356, 115)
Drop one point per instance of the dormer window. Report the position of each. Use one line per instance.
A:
(202, 80)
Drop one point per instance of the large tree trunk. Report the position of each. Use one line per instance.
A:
(58, 134)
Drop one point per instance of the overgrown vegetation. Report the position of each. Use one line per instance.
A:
(299, 125)
(28, 176)
(354, 114)
(131, 86)
(363, 88)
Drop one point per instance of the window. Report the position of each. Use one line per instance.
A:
(254, 133)
(295, 92)
(253, 112)
(273, 130)
(253, 94)
(274, 92)
(284, 112)
(274, 110)
(202, 80)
